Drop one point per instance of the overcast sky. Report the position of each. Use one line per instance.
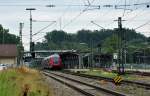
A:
(70, 14)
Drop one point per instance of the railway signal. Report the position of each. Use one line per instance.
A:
(32, 49)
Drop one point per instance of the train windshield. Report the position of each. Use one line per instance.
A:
(56, 59)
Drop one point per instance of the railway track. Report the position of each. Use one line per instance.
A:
(82, 87)
(140, 84)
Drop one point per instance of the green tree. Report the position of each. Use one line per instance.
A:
(62, 40)
(56, 36)
(7, 38)
(110, 44)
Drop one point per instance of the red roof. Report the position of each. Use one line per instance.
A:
(8, 50)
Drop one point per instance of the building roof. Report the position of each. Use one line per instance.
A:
(8, 50)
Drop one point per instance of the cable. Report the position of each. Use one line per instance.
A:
(132, 11)
(111, 15)
(78, 15)
(142, 25)
(124, 9)
(63, 14)
(73, 19)
(146, 3)
(106, 13)
(22, 1)
(138, 14)
(110, 23)
(21, 5)
(97, 24)
(43, 29)
(39, 38)
(40, 31)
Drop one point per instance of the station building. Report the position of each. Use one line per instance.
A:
(8, 54)
(70, 60)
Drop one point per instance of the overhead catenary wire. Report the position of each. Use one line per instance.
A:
(97, 24)
(78, 15)
(138, 14)
(124, 9)
(44, 28)
(133, 10)
(145, 3)
(21, 5)
(21, 1)
(60, 19)
(108, 12)
(72, 19)
(39, 38)
(135, 4)
(8, 1)
(142, 25)
(41, 31)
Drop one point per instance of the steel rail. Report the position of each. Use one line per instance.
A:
(141, 84)
(69, 85)
(93, 86)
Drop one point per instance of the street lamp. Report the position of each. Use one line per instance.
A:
(30, 9)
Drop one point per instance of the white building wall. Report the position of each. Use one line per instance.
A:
(10, 60)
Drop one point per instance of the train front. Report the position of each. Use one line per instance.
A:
(56, 62)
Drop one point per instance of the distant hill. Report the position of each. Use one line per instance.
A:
(84, 38)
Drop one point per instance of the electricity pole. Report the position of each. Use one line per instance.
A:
(121, 46)
(91, 45)
(20, 45)
(3, 41)
(20, 33)
(30, 9)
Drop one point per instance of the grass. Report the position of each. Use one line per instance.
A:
(16, 82)
(103, 73)
(132, 90)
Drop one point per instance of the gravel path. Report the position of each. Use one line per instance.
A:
(60, 89)
(78, 85)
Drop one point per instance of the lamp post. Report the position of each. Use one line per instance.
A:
(30, 9)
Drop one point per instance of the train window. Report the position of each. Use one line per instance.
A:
(56, 59)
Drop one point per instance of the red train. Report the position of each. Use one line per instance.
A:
(53, 62)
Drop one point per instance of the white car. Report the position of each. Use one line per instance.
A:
(3, 66)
